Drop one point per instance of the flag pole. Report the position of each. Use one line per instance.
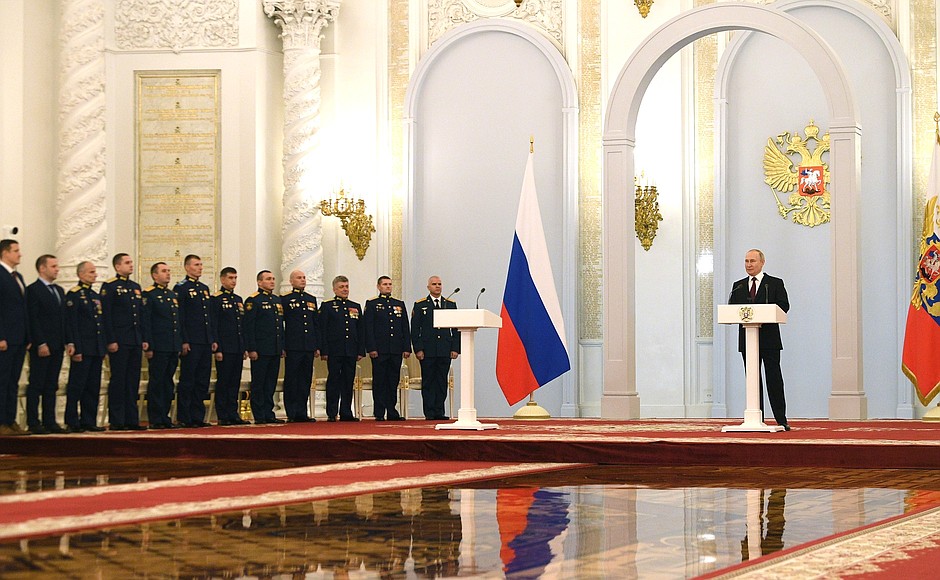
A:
(933, 415)
(532, 410)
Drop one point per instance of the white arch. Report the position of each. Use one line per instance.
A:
(904, 155)
(620, 397)
(569, 112)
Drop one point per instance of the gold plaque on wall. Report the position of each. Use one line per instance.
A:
(178, 140)
(808, 179)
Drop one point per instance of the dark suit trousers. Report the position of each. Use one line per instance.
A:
(263, 384)
(298, 376)
(770, 360)
(228, 375)
(84, 389)
(43, 384)
(195, 372)
(386, 373)
(434, 371)
(339, 385)
(161, 368)
(11, 365)
(124, 387)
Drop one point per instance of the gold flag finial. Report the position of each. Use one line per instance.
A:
(531, 143)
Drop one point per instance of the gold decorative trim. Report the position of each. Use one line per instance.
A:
(705, 65)
(590, 147)
(399, 73)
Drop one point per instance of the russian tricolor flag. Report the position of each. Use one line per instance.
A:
(531, 349)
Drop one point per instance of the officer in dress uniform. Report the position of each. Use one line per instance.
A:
(227, 314)
(301, 337)
(342, 345)
(434, 347)
(388, 339)
(121, 303)
(45, 301)
(198, 344)
(84, 331)
(264, 340)
(163, 335)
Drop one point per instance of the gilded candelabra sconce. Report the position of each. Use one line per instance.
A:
(809, 200)
(644, 7)
(647, 212)
(356, 222)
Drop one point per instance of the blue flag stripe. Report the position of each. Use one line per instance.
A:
(544, 348)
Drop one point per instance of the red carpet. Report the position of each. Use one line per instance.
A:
(906, 546)
(886, 444)
(44, 513)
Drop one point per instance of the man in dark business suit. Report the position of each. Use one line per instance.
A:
(434, 347)
(45, 302)
(14, 334)
(761, 288)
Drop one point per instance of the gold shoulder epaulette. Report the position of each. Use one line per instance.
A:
(423, 299)
(219, 293)
(149, 288)
(253, 295)
(109, 280)
(75, 288)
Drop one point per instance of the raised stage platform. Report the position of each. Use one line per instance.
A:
(885, 444)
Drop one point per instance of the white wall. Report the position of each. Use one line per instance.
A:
(762, 102)
(479, 104)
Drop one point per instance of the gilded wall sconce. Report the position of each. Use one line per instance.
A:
(643, 6)
(647, 212)
(356, 222)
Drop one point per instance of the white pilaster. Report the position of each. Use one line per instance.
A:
(81, 228)
(301, 23)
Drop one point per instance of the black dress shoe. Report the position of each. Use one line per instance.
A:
(38, 430)
(241, 422)
(157, 426)
(398, 418)
(117, 428)
(786, 426)
(380, 418)
(201, 424)
(443, 418)
(331, 419)
(277, 421)
(74, 429)
(94, 429)
(54, 428)
(134, 428)
(351, 419)
(225, 423)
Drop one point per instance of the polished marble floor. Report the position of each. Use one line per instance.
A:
(602, 522)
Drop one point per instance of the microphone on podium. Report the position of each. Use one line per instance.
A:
(456, 290)
(482, 290)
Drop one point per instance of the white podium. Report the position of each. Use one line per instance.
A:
(467, 321)
(752, 316)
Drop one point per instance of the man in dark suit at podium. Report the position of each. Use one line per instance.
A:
(761, 288)
(434, 347)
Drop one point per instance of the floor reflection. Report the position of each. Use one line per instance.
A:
(601, 524)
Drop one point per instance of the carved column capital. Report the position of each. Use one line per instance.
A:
(301, 21)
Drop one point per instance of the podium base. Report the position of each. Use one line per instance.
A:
(753, 423)
(532, 411)
(467, 420)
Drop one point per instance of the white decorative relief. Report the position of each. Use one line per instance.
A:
(885, 8)
(545, 15)
(176, 24)
(301, 23)
(81, 225)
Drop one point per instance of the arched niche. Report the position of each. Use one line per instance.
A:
(620, 399)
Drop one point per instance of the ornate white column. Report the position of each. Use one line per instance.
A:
(81, 226)
(301, 22)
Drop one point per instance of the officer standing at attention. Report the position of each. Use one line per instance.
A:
(343, 344)
(301, 337)
(198, 344)
(45, 301)
(264, 340)
(121, 303)
(84, 331)
(164, 338)
(434, 347)
(227, 314)
(388, 339)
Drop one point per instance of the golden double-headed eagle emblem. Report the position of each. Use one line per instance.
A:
(808, 181)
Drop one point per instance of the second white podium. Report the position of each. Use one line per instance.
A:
(467, 321)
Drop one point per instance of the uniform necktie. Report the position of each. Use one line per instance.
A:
(437, 303)
(753, 289)
(56, 294)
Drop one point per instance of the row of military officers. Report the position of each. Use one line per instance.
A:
(188, 327)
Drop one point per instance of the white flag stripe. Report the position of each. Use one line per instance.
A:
(532, 239)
